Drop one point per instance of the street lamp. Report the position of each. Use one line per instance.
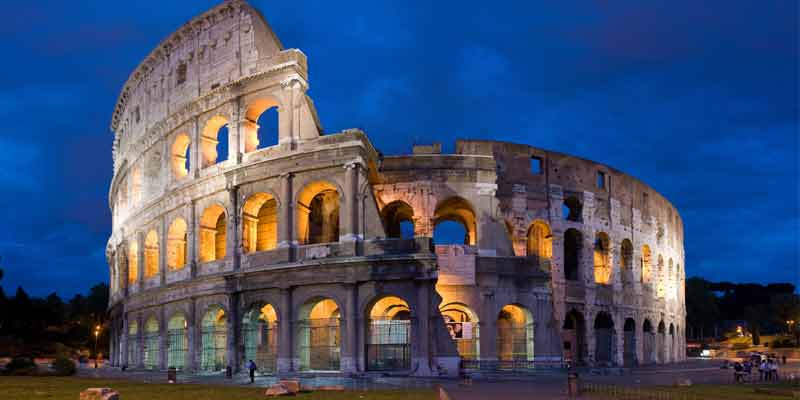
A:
(96, 335)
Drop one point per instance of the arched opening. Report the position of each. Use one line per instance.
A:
(214, 337)
(626, 262)
(648, 342)
(179, 156)
(133, 343)
(572, 209)
(661, 343)
(151, 255)
(573, 243)
(646, 264)
(604, 339)
(398, 219)
(389, 335)
(260, 223)
(177, 342)
(133, 263)
(212, 234)
(463, 325)
(214, 141)
(671, 344)
(318, 213)
(540, 242)
(602, 259)
(318, 336)
(629, 348)
(260, 331)
(261, 125)
(152, 345)
(122, 268)
(457, 210)
(660, 289)
(176, 244)
(514, 337)
(574, 334)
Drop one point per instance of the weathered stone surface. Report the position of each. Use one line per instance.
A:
(292, 386)
(99, 394)
(278, 390)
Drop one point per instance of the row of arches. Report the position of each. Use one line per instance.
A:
(259, 127)
(317, 221)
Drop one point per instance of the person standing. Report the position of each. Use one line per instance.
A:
(251, 366)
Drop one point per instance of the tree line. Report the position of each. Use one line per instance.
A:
(764, 309)
(49, 326)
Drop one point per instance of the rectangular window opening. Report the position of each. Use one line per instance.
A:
(601, 179)
(536, 165)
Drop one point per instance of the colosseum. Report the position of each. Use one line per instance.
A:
(243, 231)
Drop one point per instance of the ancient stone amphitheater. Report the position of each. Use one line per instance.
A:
(242, 231)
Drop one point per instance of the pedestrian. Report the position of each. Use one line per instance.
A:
(251, 366)
(773, 370)
(784, 359)
(737, 372)
(762, 370)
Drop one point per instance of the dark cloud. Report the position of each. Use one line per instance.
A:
(698, 99)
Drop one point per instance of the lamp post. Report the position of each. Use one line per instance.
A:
(96, 335)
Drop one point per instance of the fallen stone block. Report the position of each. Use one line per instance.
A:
(99, 394)
(278, 390)
(292, 386)
(331, 388)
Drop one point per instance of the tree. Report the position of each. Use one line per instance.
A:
(702, 310)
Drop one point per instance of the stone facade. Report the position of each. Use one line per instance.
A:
(290, 246)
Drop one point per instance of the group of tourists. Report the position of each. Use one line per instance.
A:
(767, 369)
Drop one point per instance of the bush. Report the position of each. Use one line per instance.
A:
(21, 366)
(63, 366)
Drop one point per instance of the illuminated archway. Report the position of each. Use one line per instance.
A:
(389, 335)
(317, 345)
(260, 334)
(646, 264)
(648, 342)
(133, 262)
(626, 262)
(398, 219)
(514, 336)
(458, 210)
(261, 124)
(463, 325)
(176, 244)
(602, 258)
(212, 234)
(661, 343)
(214, 337)
(540, 241)
(152, 346)
(214, 140)
(260, 223)
(629, 348)
(318, 213)
(177, 342)
(179, 156)
(151, 255)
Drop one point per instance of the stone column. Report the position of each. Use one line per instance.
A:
(234, 141)
(350, 334)
(140, 261)
(488, 329)
(285, 349)
(194, 152)
(192, 340)
(349, 216)
(590, 341)
(162, 252)
(162, 339)
(638, 334)
(422, 333)
(619, 340)
(234, 231)
(193, 240)
(286, 221)
(232, 336)
(140, 340)
(124, 340)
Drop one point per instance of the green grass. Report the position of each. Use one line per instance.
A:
(700, 392)
(30, 388)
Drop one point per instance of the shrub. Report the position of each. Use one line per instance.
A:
(21, 366)
(63, 366)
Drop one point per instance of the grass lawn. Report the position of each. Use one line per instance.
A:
(702, 392)
(29, 388)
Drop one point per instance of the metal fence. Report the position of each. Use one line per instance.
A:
(133, 350)
(152, 350)
(261, 345)
(515, 347)
(389, 345)
(318, 346)
(177, 345)
(604, 391)
(212, 356)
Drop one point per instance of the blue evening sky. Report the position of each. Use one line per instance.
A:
(697, 98)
